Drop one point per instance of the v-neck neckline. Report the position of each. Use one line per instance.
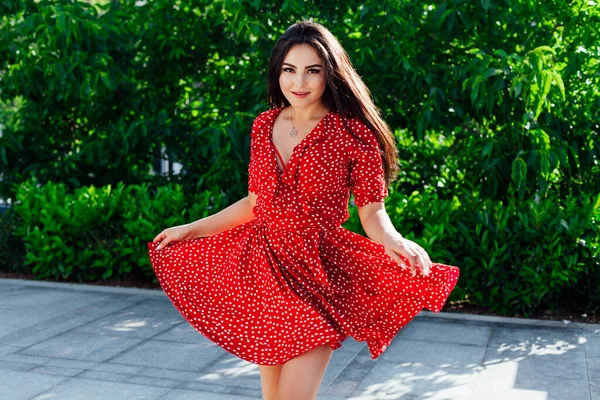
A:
(276, 151)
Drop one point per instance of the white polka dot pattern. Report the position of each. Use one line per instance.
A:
(293, 278)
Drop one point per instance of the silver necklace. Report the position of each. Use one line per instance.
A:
(294, 131)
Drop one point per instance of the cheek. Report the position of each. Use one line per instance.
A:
(319, 82)
(284, 80)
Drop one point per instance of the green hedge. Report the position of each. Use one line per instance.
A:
(100, 233)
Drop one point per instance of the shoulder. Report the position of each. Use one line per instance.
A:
(361, 136)
(262, 120)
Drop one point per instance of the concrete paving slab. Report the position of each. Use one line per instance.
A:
(106, 376)
(44, 298)
(58, 371)
(225, 392)
(190, 395)
(14, 320)
(25, 358)
(230, 370)
(4, 350)
(591, 344)
(551, 353)
(396, 380)
(47, 328)
(339, 361)
(121, 343)
(595, 392)
(81, 346)
(117, 368)
(16, 366)
(183, 333)
(19, 385)
(434, 354)
(170, 355)
(351, 376)
(352, 345)
(160, 382)
(445, 332)
(505, 380)
(594, 371)
(142, 320)
(84, 365)
(79, 389)
(152, 372)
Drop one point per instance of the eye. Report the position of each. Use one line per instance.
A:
(312, 70)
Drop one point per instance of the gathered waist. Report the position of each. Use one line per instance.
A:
(296, 225)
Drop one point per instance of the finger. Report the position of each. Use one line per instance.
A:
(164, 243)
(398, 260)
(426, 262)
(422, 263)
(404, 247)
(413, 262)
(158, 237)
(410, 251)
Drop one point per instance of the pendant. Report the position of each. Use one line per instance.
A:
(293, 132)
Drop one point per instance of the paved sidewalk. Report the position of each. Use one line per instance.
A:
(66, 342)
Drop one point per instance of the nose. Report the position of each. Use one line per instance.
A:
(300, 80)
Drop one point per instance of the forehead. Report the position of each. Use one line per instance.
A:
(302, 54)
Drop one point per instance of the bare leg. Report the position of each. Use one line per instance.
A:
(302, 375)
(269, 379)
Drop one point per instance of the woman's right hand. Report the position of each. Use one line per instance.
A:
(181, 232)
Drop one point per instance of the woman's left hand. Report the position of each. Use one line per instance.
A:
(396, 245)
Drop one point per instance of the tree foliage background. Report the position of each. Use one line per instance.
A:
(493, 103)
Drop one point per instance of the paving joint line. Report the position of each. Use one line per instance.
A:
(69, 331)
(491, 319)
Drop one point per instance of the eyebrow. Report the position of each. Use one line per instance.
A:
(310, 66)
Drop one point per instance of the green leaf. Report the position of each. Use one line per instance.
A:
(107, 274)
(60, 22)
(491, 72)
(516, 87)
(475, 90)
(519, 174)
(487, 149)
(560, 83)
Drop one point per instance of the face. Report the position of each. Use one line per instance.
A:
(303, 71)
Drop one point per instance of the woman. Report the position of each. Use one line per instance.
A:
(274, 279)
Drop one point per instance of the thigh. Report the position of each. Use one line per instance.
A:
(269, 380)
(302, 375)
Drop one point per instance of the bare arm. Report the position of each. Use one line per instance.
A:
(375, 221)
(232, 216)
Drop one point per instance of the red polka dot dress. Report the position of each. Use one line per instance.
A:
(293, 278)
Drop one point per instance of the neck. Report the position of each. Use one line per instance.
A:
(303, 114)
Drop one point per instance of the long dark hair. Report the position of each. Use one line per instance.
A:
(345, 93)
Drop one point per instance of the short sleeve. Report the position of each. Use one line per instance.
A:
(367, 176)
(253, 165)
